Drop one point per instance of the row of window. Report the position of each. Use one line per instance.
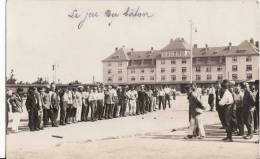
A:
(248, 68)
(248, 59)
(249, 76)
(209, 77)
(234, 59)
(173, 62)
(208, 69)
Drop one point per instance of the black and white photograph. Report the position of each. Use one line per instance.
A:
(128, 79)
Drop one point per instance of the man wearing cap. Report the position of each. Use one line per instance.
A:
(248, 109)
(226, 101)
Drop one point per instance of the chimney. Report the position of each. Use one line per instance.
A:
(229, 45)
(116, 48)
(132, 50)
(151, 48)
(195, 46)
(171, 40)
(257, 44)
(252, 41)
(206, 46)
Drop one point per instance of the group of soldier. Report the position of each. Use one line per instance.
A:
(84, 103)
(237, 105)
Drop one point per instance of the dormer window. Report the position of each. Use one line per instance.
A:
(115, 57)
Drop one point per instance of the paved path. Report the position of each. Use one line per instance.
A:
(145, 136)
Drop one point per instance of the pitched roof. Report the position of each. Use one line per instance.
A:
(135, 55)
(244, 48)
(118, 55)
(177, 44)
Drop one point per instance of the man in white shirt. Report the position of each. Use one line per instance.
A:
(211, 97)
(132, 95)
(167, 91)
(85, 104)
(226, 101)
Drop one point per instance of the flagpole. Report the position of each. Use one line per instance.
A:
(191, 28)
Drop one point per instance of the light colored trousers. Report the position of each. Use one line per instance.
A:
(16, 121)
(78, 113)
(132, 104)
(196, 123)
(154, 103)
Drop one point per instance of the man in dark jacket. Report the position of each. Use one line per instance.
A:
(248, 109)
(221, 111)
(33, 106)
(141, 100)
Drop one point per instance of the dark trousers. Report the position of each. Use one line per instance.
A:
(55, 113)
(240, 123)
(6, 120)
(162, 102)
(46, 116)
(248, 120)
(63, 111)
(123, 107)
(109, 110)
(99, 109)
(211, 101)
(114, 110)
(256, 119)
(84, 112)
(33, 119)
(228, 120)
(167, 99)
(221, 114)
(68, 114)
(141, 106)
(93, 107)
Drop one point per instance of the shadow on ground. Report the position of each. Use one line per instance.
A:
(213, 133)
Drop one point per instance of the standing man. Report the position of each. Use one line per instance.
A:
(211, 98)
(141, 100)
(226, 101)
(167, 91)
(32, 106)
(55, 102)
(149, 99)
(100, 103)
(248, 110)
(64, 106)
(85, 104)
(123, 102)
(132, 95)
(79, 103)
(257, 101)
(162, 98)
(196, 110)
(221, 111)
(16, 103)
(46, 100)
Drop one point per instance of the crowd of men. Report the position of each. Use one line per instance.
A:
(84, 103)
(237, 105)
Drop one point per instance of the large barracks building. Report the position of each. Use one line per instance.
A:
(171, 64)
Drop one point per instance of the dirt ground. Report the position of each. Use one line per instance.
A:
(148, 136)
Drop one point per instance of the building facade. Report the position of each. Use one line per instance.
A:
(171, 64)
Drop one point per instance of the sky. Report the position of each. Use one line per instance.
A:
(40, 33)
